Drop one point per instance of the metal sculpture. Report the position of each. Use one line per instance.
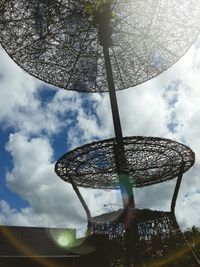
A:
(63, 42)
(149, 239)
(98, 46)
(149, 160)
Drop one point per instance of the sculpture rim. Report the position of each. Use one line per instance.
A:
(172, 155)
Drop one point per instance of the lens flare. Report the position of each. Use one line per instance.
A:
(63, 241)
(65, 238)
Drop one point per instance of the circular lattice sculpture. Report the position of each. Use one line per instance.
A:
(151, 236)
(58, 41)
(146, 160)
(155, 222)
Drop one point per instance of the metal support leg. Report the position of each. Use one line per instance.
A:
(177, 187)
(83, 203)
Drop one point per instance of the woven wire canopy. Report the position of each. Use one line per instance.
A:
(58, 41)
(148, 160)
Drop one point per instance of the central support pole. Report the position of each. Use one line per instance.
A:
(125, 185)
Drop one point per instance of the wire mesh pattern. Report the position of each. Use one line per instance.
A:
(148, 160)
(150, 236)
(149, 223)
(58, 41)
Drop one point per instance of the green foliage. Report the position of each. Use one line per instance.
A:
(98, 7)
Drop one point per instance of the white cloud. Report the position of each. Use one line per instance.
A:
(52, 201)
(189, 205)
(16, 88)
(33, 179)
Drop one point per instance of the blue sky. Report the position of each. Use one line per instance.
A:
(39, 123)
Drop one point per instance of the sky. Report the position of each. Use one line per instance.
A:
(39, 123)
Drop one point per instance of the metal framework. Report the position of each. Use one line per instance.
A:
(60, 41)
(149, 223)
(148, 160)
(151, 236)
